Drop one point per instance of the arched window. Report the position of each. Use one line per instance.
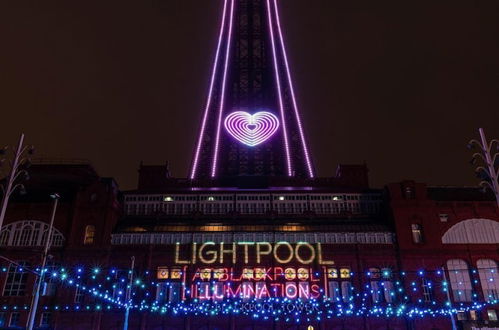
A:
(459, 280)
(29, 233)
(26, 237)
(89, 235)
(473, 231)
(489, 278)
(4, 237)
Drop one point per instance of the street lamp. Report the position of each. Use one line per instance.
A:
(129, 294)
(489, 158)
(36, 296)
(449, 301)
(17, 169)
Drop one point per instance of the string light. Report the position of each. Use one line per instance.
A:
(383, 295)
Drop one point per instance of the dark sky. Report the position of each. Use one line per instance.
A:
(402, 85)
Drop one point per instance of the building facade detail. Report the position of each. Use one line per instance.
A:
(273, 237)
(255, 203)
(473, 231)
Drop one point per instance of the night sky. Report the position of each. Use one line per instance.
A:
(402, 85)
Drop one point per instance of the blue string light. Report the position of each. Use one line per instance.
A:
(109, 287)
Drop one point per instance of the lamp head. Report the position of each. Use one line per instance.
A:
(22, 190)
(481, 175)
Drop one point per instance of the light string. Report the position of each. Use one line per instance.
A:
(223, 88)
(109, 285)
(210, 94)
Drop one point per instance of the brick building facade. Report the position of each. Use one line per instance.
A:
(413, 232)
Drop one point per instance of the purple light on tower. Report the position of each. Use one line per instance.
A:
(222, 98)
(250, 129)
(279, 91)
(292, 90)
(210, 93)
(251, 71)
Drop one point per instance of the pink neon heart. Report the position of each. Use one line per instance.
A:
(251, 129)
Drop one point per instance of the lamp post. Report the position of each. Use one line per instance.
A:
(36, 296)
(451, 313)
(489, 171)
(129, 294)
(20, 158)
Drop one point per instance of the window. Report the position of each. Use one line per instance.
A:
(443, 217)
(382, 289)
(427, 290)
(376, 292)
(408, 192)
(168, 292)
(473, 231)
(162, 293)
(93, 198)
(346, 291)
(4, 237)
(29, 233)
(49, 280)
(417, 233)
(489, 278)
(345, 273)
(3, 319)
(375, 275)
(389, 291)
(79, 295)
(121, 278)
(492, 314)
(16, 280)
(339, 286)
(459, 280)
(334, 291)
(89, 235)
(15, 319)
(45, 320)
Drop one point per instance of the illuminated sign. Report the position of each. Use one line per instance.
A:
(252, 270)
(256, 283)
(162, 273)
(252, 129)
(260, 252)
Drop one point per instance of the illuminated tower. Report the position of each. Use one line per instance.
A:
(251, 124)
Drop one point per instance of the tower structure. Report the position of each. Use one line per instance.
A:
(251, 124)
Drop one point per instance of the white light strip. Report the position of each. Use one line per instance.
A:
(210, 94)
(222, 94)
(291, 88)
(279, 91)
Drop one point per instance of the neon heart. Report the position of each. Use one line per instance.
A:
(251, 129)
